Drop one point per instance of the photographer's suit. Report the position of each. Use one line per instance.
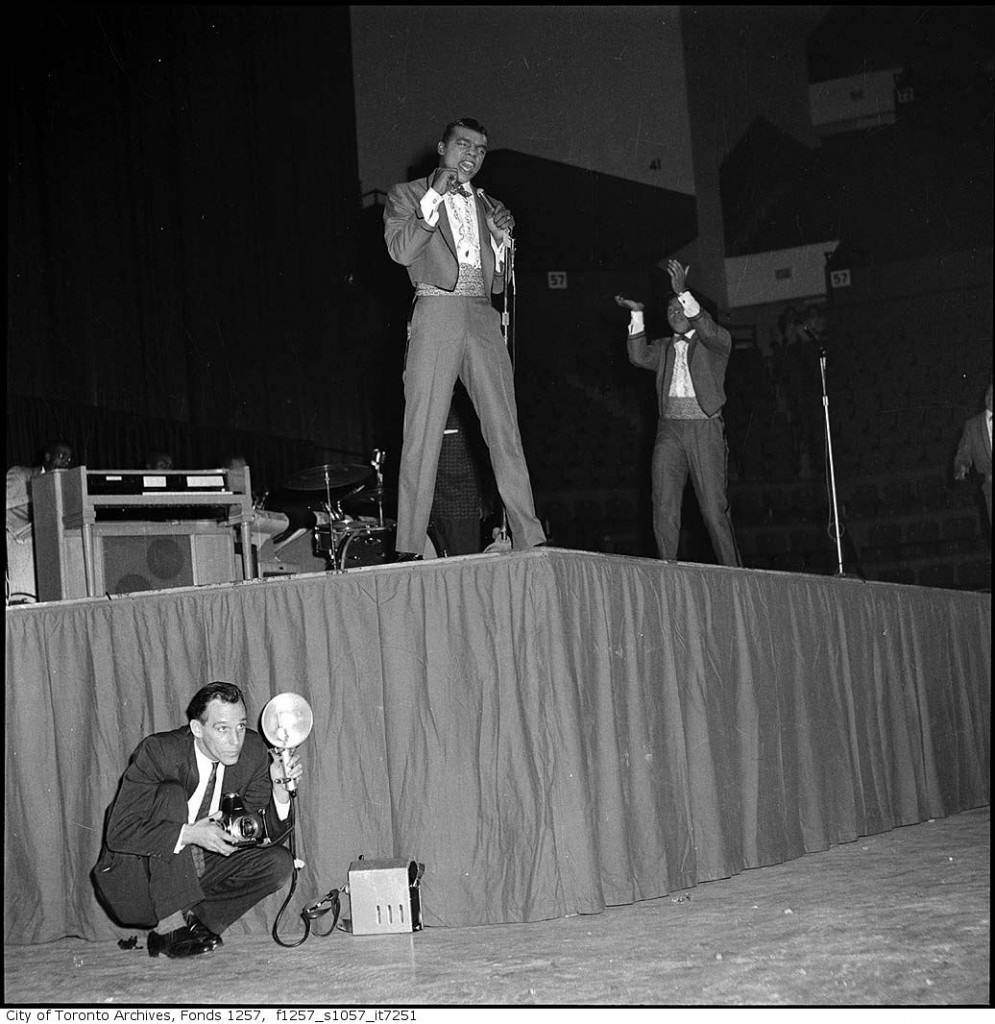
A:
(142, 879)
(453, 335)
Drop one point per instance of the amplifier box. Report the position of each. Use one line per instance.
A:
(385, 896)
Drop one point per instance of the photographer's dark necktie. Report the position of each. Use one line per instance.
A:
(205, 807)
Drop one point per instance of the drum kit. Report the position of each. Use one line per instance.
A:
(344, 537)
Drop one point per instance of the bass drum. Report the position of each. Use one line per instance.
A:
(374, 545)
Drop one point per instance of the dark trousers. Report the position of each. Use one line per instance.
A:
(695, 448)
(229, 886)
(457, 535)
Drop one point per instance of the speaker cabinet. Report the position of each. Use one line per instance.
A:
(136, 556)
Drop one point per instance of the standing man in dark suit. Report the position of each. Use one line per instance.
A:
(166, 860)
(690, 372)
(452, 239)
(975, 449)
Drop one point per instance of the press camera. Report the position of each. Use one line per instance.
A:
(245, 827)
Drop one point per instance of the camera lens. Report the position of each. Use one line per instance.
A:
(246, 828)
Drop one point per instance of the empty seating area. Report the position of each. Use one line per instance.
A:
(902, 378)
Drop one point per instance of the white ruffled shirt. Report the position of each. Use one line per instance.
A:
(680, 384)
(462, 211)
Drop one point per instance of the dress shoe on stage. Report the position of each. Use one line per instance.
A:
(200, 931)
(407, 556)
(181, 942)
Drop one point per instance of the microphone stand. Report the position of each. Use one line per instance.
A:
(838, 534)
(508, 330)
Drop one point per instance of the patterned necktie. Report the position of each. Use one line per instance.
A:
(460, 191)
(205, 807)
(681, 385)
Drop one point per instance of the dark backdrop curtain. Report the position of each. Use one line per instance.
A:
(182, 211)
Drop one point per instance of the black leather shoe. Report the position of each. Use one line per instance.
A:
(407, 556)
(177, 944)
(201, 931)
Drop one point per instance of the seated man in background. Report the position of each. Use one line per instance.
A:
(167, 861)
(975, 449)
(158, 460)
(21, 579)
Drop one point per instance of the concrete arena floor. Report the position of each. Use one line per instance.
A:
(897, 919)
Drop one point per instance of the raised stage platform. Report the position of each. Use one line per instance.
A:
(549, 732)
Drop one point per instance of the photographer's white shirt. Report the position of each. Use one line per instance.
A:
(204, 764)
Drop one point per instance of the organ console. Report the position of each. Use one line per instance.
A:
(118, 531)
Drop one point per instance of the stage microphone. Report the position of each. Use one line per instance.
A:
(287, 721)
(489, 207)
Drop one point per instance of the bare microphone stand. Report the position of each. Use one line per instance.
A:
(837, 532)
(508, 333)
(508, 330)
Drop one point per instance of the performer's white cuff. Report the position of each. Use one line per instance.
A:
(689, 304)
(636, 325)
(498, 248)
(430, 207)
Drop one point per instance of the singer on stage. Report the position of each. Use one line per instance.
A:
(452, 238)
(690, 368)
(166, 859)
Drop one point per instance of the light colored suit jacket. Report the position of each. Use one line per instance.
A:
(429, 253)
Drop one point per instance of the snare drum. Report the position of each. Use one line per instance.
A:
(368, 543)
(331, 531)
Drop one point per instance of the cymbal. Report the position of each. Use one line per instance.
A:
(319, 478)
(371, 496)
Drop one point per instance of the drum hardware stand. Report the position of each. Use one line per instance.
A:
(377, 463)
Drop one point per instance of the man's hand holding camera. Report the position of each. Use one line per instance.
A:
(209, 834)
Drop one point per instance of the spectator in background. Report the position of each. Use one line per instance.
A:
(690, 370)
(21, 579)
(975, 449)
(158, 460)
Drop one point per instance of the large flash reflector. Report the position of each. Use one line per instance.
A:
(287, 720)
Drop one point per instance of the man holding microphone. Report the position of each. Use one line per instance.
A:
(452, 239)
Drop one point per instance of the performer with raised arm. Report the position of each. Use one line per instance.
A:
(690, 372)
(452, 239)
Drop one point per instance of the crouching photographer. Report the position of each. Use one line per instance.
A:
(192, 838)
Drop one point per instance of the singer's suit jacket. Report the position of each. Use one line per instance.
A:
(139, 839)
(708, 356)
(429, 253)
